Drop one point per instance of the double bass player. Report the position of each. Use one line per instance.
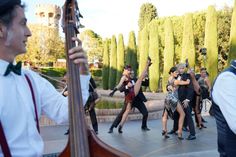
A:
(30, 95)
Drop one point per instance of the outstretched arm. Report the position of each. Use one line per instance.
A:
(123, 78)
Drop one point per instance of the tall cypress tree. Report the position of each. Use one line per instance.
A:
(188, 49)
(138, 46)
(105, 68)
(168, 52)
(154, 73)
(211, 42)
(128, 54)
(143, 49)
(132, 52)
(232, 48)
(113, 63)
(147, 12)
(120, 57)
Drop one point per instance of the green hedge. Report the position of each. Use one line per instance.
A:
(53, 72)
(96, 72)
(103, 104)
(59, 72)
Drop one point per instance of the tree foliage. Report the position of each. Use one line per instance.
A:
(143, 49)
(154, 73)
(168, 52)
(199, 20)
(131, 55)
(120, 57)
(92, 43)
(113, 63)
(232, 49)
(178, 26)
(211, 42)
(45, 45)
(199, 35)
(188, 49)
(139, 45)
(148, 12)
(105, 68)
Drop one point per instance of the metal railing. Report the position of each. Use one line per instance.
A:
(59, 82)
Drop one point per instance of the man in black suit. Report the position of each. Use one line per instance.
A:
(185, 95)
(90, 104)
(138, 102)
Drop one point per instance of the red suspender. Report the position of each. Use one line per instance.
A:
(3, 141)
(33, 97)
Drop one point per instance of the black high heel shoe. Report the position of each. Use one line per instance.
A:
(164, 133)
(120, 129)
(201, 126)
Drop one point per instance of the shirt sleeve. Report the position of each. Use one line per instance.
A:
(53, 104)
(84, 81)
(224, 96)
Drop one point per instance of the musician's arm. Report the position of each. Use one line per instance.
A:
(53, 104)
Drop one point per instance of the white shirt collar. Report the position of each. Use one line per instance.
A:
(3, 66)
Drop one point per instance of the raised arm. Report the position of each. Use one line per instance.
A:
(123, 78)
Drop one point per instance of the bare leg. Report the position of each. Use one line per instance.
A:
(164, 124)
(164, 121)
(125, 115)
(181, 120)
(138, 83)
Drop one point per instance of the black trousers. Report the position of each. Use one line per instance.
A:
(188, 120)
(119, 117)
(93, 118)
(89, 107)
(142, 109)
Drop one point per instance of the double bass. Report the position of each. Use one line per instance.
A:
(82, 141)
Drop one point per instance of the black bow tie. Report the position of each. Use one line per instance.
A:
(14, 68)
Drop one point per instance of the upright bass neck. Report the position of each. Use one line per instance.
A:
(78, 130)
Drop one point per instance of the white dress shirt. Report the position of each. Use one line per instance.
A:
(17, 113)
(224, 95)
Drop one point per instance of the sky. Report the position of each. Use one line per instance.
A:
(111, 17)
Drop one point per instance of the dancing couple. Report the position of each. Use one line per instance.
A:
(132, 90)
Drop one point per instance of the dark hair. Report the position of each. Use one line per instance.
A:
(173, 69)
(203, 69)
(8, 16)
(127, 67)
